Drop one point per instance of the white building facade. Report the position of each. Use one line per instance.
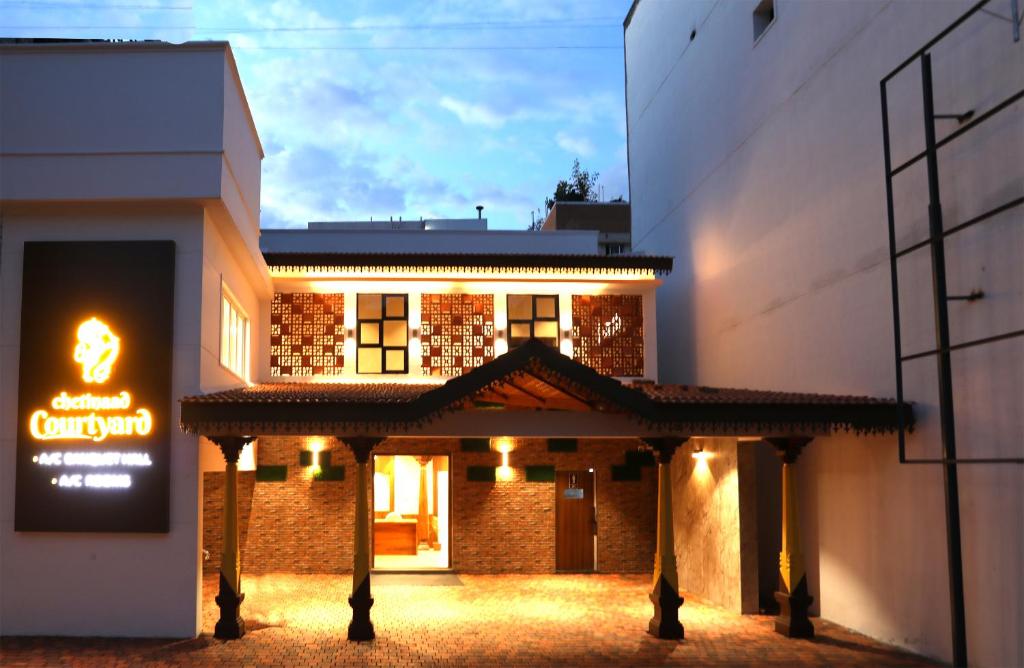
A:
(756, 159)
(160, 146)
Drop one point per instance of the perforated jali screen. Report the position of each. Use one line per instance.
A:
(608, 333)
(307, 334)
(457, 332)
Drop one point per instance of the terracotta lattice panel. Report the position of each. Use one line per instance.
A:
(307, 334)
(457, 332)
(608, 333)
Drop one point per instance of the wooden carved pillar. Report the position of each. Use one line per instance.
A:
(793, 597)
(229, 596)
(423, 519)
(665, 597)
(361, 628)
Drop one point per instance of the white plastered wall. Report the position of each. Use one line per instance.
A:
(223, 270)
(104, 584)
(759, 166)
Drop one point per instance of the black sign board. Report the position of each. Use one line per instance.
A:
(94, 388)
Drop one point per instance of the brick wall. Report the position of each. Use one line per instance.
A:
(213, 517)
(305, 526)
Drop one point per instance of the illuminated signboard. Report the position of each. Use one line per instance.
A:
(94, 389)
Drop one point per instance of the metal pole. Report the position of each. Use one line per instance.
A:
(894, 277)
(948, 431)
(1015, 19)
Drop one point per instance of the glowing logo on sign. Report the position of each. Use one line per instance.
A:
(97, 350)
(89, 417)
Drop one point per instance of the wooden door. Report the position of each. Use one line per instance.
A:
(575, 521)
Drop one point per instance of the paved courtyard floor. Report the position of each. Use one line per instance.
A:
(571, 620)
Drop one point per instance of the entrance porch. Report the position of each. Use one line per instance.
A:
(526, 394)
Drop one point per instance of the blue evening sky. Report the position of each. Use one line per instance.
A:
(358, 120)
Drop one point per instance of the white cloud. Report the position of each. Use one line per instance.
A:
(580, 146)
(473, 114)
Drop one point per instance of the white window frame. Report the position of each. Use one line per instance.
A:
(235, 335)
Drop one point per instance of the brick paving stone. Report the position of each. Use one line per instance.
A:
(506, 620)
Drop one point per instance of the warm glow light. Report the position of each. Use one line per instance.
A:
(464, 274)
(381, 492)
(316, 445)
(97, 350)
(432, 381)
(701, 469)
(504, 445)
(504, 471)
(500, 347)
(565, 347)
(90, 427)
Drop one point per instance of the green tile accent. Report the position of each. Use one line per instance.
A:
(271, 473)
(625, 472)
(481, 473)
(475, 444)
(330, 473)
(540, 474)
(562, 445)
(640, 458)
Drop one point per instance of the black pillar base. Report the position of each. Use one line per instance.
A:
(792, 620)
(361, 628)
(230, 626)
(667, 601)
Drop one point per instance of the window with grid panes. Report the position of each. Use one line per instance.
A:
(382, 333)
(532, 316)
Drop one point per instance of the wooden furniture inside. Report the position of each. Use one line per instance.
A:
(394, 536)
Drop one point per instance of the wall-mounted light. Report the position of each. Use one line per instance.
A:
(700, 455)
(315, 457)
(504, 445)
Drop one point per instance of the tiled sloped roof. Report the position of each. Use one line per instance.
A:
(329, 407)
(697, 394)
(317, 393)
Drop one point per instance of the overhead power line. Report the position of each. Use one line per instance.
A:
(545, 47)
(82, 5)
(480, 25)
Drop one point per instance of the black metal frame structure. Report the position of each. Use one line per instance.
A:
(937, 233)
(532, 322)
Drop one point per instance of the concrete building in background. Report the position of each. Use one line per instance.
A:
(756, 159)
(610, 220)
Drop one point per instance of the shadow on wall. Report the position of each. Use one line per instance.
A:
(675, 331)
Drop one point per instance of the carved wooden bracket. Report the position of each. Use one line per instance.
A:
(231, 446)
